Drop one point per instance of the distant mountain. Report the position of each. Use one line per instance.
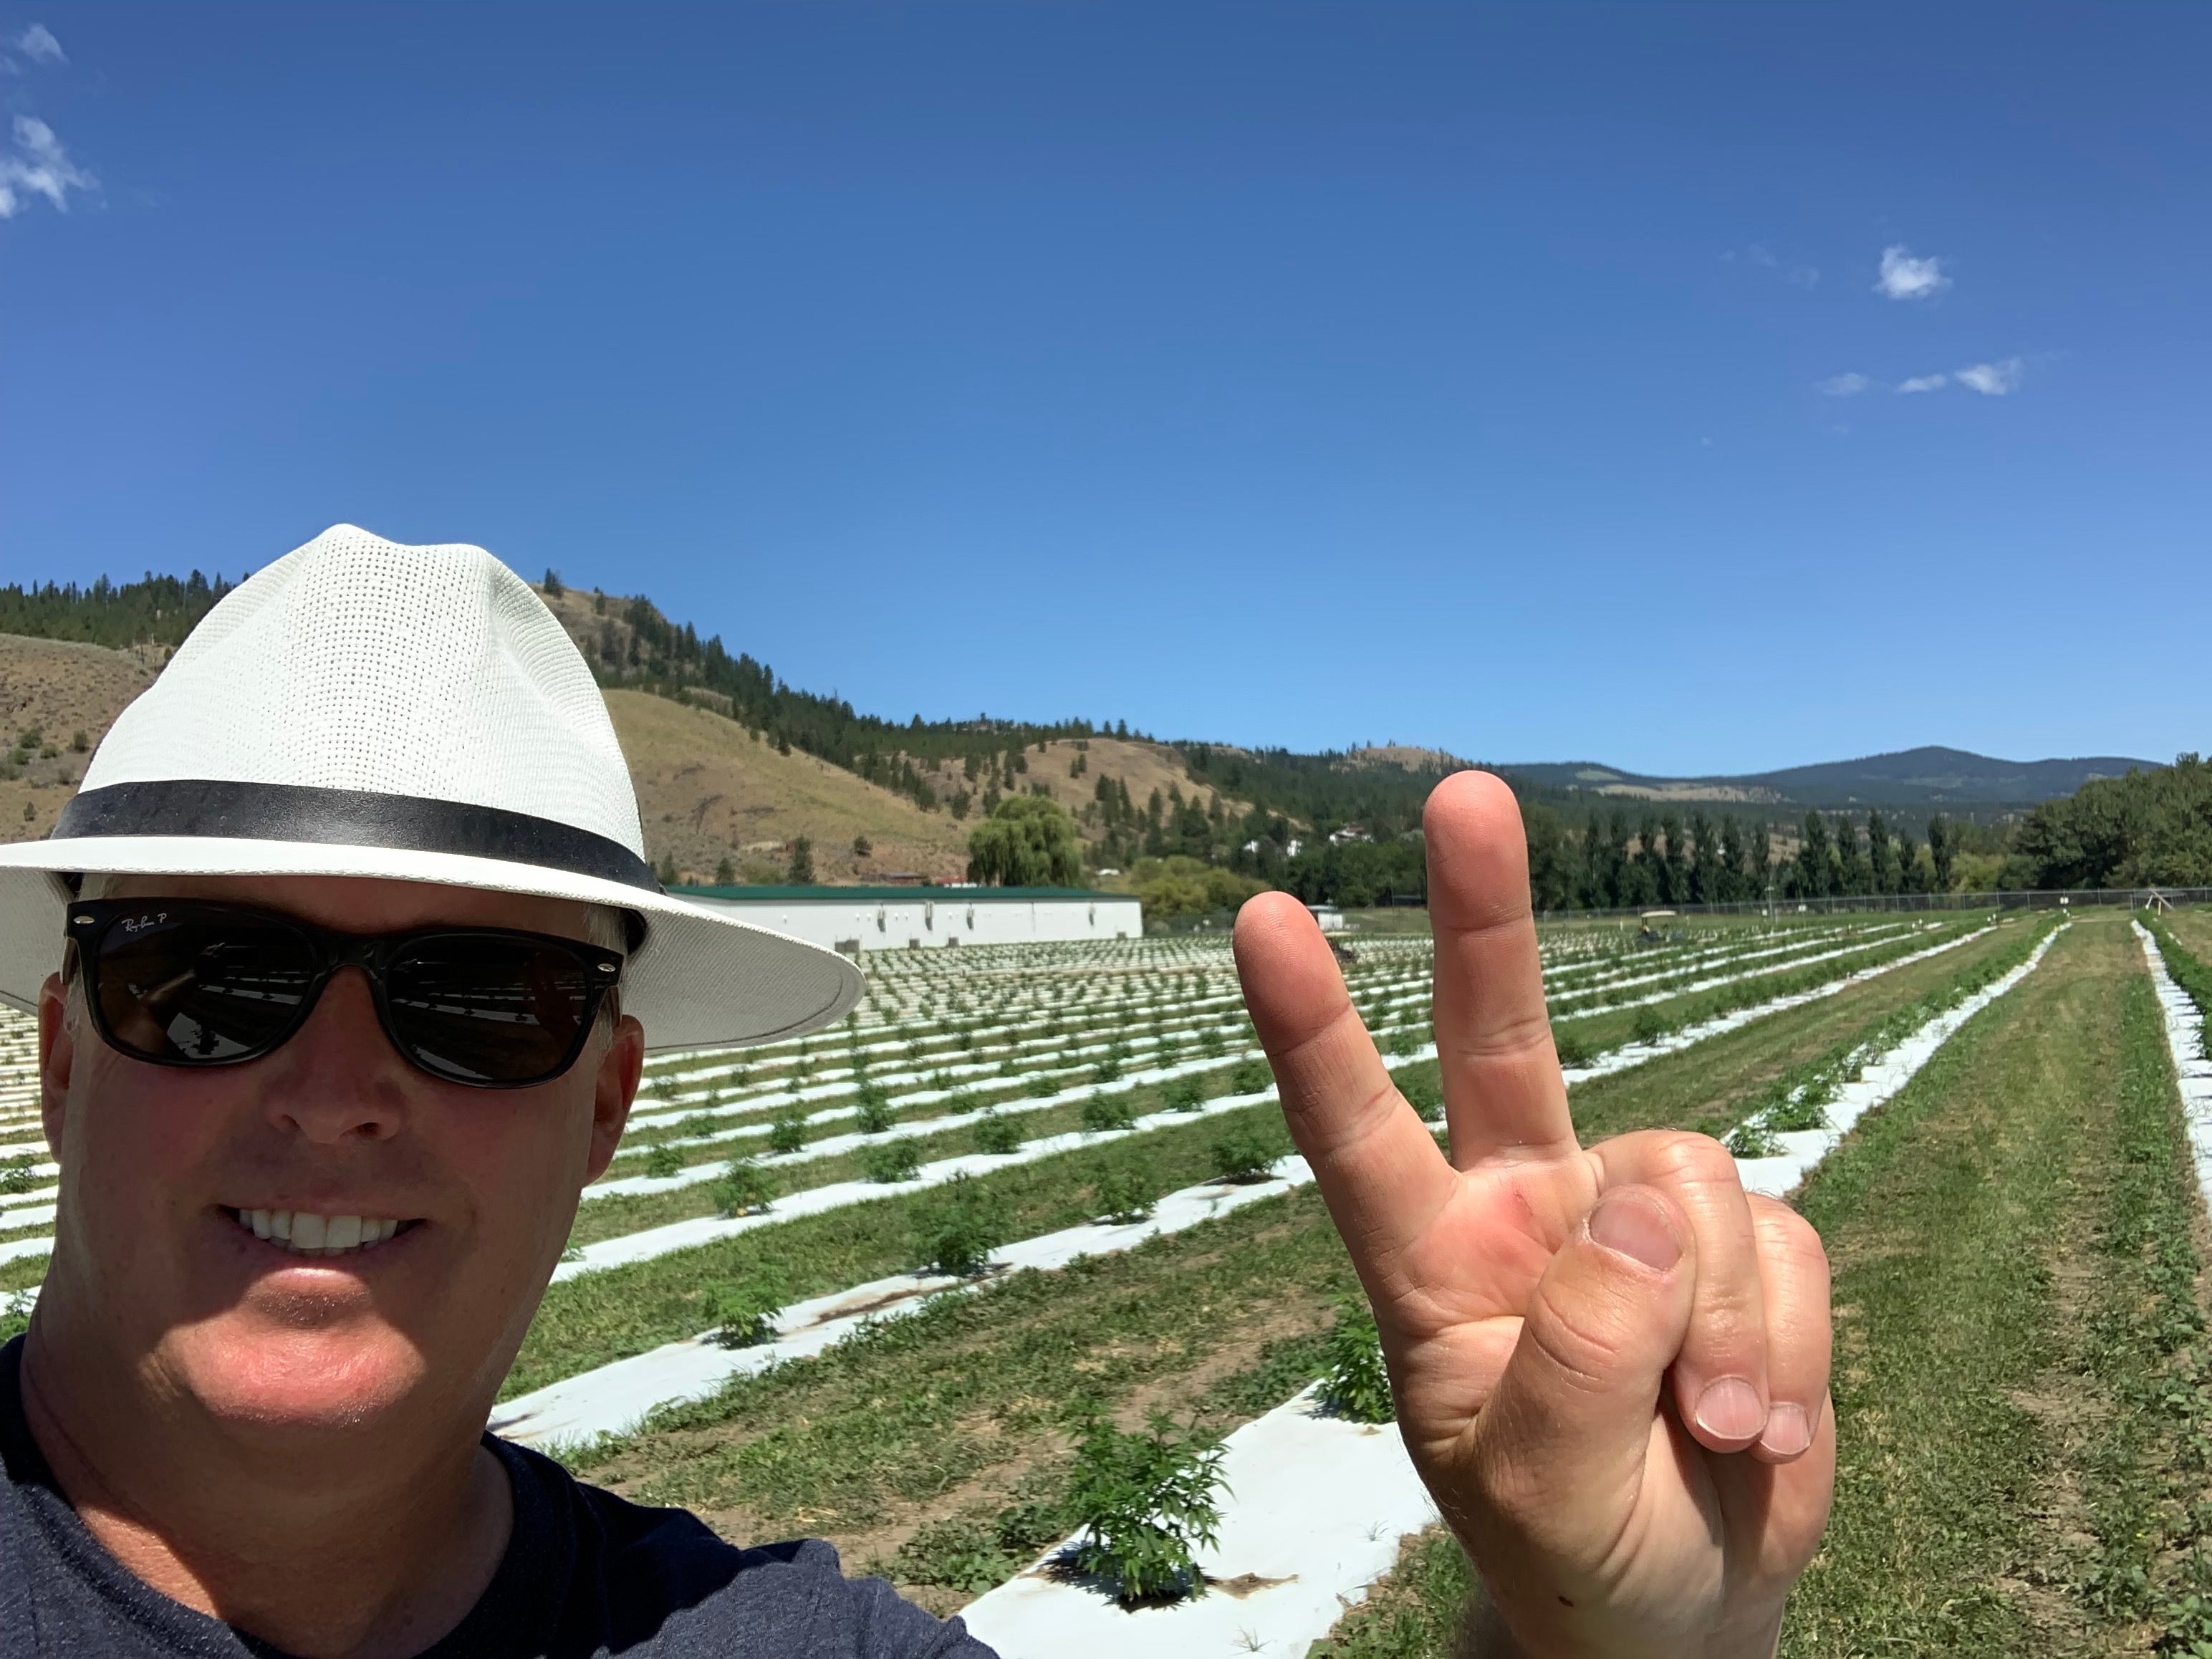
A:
(1926, 777)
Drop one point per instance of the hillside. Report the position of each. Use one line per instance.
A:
(708, 788)
(1927, 776)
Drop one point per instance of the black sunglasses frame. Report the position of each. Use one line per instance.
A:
(91, 921)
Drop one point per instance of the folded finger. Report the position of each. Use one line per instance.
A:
(1793, 1271)
(1720, 1377)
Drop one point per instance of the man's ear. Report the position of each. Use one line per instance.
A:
(620, 1070)
(57, 1055)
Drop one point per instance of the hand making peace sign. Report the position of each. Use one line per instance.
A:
(1611, 1365)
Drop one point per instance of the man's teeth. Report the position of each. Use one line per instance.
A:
(304, 1233)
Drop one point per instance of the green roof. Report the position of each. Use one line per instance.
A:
(872, 895)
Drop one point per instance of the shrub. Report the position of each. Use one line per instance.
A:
(787, 1133)
(1246, 1153)
(890, 1160)
(1107, 1070)
(957, 1233)
(745, 1315)
(1103, 1112)
(1041, 1084)
(1573, 1050)
(1248, 1077)
(995, 1133)
(1145, 1503)
(1183, 1094)
(1210, 1043)
(961, 1101)
(1649, 1024)
(664, 1160)
(1123, 1197)
(876, 1113)
(18, 1178)
(745, 1187)
(1408, 1042)
(1355, 1383)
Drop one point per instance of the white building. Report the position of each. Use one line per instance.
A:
(1330, 919)
(856, 919)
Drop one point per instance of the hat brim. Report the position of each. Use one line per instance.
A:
(701, 978)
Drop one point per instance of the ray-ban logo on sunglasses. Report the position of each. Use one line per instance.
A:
(135, 924)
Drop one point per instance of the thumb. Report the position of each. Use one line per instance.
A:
(1563, 1441)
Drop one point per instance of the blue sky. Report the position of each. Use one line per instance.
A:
(1523, 380)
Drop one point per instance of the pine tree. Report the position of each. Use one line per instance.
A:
(801, 872)
(1848, 872)
(1813, 857)
(1942, 848)
(1758, 867)
(1732, 871)
(1881, 860)
(1675, 870)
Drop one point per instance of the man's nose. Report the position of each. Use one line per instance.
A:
(341, 1079)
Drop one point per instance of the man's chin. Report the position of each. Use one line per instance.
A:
(243, 1366)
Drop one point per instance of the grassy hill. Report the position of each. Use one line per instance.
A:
(708, 788)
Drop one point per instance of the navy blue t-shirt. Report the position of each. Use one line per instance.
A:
(584, 1575)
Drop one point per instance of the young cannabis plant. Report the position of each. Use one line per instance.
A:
(1247, 1153)
(1355, 1385)
(745, 1315)
(1103, 1112)
(891, 1161)
(1147, 1505)
(664, 1161)
(745, 1187)
(787, 1132)
(995, 1133)
(1122, 1198)
(958, 1233)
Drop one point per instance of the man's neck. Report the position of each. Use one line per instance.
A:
(352, 1550)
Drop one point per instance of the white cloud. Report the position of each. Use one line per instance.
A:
(38, 43)
(41, 167)
(1992, 379)
(1924, 383)
(1844, 385)
(1903, 278)
(1804, 276)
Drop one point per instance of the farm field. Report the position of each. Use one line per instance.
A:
(1024, 1095)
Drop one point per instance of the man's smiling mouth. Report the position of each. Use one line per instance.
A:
(302, 1233)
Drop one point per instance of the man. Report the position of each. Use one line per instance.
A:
(346, 960)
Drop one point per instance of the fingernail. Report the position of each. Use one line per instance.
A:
(1729, 1410)
(1788, 1432)
(1636, 1228)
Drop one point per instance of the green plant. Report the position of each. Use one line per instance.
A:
(1145, 1503)
(1753, 1138)
(745, 1187)
(1356, 1384)
(1041, 1084)
(1210, 1043)
(1574, 1050)
(787, 1132)
(1649, 1025)
(745, 1314)
(958, 1233)
(876, 1113)
(1122, 1198)
(18, 1178)
(1248, 1077)
(1408, 1042)
(1183, 1094)
(997, 1134)
(663, 1161)
(1105, 1112)
(1246, 1152)
(890, 1161)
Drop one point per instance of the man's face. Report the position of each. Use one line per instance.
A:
(153, 1262)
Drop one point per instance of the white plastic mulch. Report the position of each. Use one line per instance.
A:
(2185, 1037)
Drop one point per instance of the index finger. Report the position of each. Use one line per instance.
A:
(1503, 1091)
(1375, 1161)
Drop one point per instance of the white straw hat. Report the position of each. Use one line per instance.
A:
(363, 709)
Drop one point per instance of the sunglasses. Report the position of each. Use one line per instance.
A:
(179, 982)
